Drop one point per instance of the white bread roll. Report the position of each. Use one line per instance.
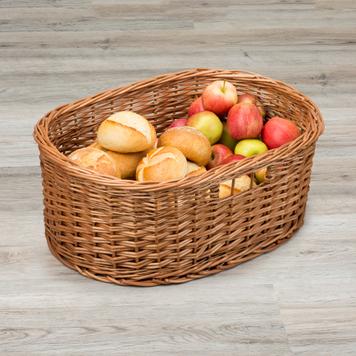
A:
(194, 145)
(161, 165)
(242, 184)
(95, 159)
(194, 169)
(126, 132)
(126, 163)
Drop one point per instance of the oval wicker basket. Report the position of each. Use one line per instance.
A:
(146, 234)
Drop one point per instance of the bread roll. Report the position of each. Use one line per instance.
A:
(242, 184)
(194, 145)
(194, 170)
(126, 132)
(161, 165)
(125, 162)
(95, 159)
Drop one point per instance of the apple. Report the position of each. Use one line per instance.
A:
(218, 153)
(178, 123)
(219, 97)
(260, 175)
(244, 121)
(232, 158)
(252, 99)
(250, 147)
(278, 131)
(247, 98)
(196, 106)
(226, 139)
(207, 123)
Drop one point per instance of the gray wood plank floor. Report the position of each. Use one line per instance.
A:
(297, 300)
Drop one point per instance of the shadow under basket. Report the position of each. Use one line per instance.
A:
(146, 234)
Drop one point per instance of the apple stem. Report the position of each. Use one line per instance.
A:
(223, 88)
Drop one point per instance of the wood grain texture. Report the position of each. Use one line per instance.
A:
(298, 300)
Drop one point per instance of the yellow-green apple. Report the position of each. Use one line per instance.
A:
(278, 131)
(250, 147)
(252, 99)
(244, 121)
(260, 175)
(218, 153)
(226, 139)
(232, 158)
(219, 97)
(196, 106)
(207, 123)
(178, 123)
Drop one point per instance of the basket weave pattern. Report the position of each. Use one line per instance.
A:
(146, 234)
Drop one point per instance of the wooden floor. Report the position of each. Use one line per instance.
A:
(297, 300)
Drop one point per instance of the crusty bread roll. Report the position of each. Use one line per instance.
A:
(242, 184)
(194, 145)
(125, 162)
(95, 159)
(126, 132)
(194, 170)
(161, 165)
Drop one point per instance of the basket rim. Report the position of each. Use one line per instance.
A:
(222, 173)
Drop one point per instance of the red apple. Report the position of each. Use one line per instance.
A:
(178, 123)
(252, 99)
(232, 158)
(207, 123)
(278, 131)
(219, 97)
(218, 154)
(244, 121)
(196, 106)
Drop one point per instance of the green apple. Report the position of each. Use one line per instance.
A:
(207, 123)
(227, 140)
(250, 147)
(261, 175)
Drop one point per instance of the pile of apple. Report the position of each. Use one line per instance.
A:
(237, 126)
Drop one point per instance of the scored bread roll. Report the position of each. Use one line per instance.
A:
(125, 162)
(161, 165)
(95, 159)
(242, 184)
(194, 170)
(126, 132)
(194, 145)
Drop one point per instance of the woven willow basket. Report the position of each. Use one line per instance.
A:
(146, 234)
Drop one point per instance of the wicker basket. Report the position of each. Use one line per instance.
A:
(146, 234)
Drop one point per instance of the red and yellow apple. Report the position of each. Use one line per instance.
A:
(247, 98)
(196, 106)
(278, 131)
(207, 123)
(244, 121)
(250, 147)
(178, 123)
(219, 97)
(218, 153)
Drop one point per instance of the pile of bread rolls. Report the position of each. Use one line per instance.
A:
(127, 148)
